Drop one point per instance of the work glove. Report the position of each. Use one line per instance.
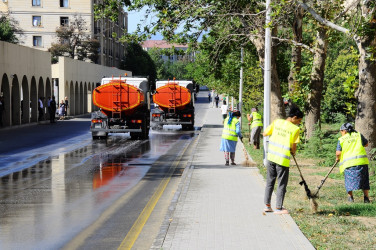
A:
(241, 138)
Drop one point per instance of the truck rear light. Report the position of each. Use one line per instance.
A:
(156, 115)
(96, 121)
(187, 115)
(136, 121)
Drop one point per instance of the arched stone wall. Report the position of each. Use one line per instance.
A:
(71, 99)
(85, 98)
(76, 99)
(81, 99)
(41, 94)
(5, 92)
(33, 100)
(25, 101)
(15, 102)
(48, 95)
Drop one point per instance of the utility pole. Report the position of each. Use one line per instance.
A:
(241, 86)
(267, 78)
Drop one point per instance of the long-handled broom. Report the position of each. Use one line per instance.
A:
(248, 161)
(323, 180)
(311, 197)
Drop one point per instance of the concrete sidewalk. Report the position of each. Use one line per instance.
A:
(221, 207)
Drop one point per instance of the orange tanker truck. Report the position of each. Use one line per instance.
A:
(174, 104)
(124, 104)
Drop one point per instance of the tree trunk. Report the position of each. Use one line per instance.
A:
(365, 119)
(296, 53)
(317, 82)
(277, 109)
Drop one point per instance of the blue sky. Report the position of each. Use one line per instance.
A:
(135, 18)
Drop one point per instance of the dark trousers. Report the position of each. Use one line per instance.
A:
(52, 115)
(40, 117)
(275, 172)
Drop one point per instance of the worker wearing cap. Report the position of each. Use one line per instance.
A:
(284, 135)
(256, 125)
(353, 161)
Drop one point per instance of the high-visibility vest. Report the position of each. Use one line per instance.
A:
(280, 142)
(256, 120)
(229, 130)
(353, 152)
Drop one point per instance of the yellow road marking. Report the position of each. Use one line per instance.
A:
(137, 227)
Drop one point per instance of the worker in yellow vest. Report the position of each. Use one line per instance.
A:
(284, 135)
(231, 132)
(256, 125)
(353, 160)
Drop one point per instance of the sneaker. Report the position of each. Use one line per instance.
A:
(281, 211)
(227, 163)
(366, 199)
(350, 199)
(268, 209)
(233, 163)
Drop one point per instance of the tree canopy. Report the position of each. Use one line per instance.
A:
(9, 29)
(74, 41)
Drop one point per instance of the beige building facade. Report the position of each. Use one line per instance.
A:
(27, 74)
(39, 19)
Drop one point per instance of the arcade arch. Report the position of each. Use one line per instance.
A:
(15, 102)
(25, 101)
(5, 92)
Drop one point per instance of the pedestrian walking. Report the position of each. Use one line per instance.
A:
(62, 110)
(66, 106)
(48, 107)
(256, 125)
(216, 98)
(224, 109)
(231, 132)
(284, 135)
(353, 160)
(52, 109)
(40, 108)
(209, 97)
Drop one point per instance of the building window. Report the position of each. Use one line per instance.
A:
(64, 3)
(64, 21)
(37, 41)
(35, 2)
(37, 21)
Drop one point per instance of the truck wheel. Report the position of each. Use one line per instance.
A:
(145, 131)
(134, 136)
(192, 126)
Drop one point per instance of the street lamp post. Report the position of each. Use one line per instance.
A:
(267, 77)
(241, 86)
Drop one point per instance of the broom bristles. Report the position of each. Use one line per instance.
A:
(247, 162)
(314, 205)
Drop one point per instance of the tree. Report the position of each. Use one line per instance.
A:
(139, 62)
(74, 41)
(239, 23)
(9, 29)
(167, 69)
(363, 13)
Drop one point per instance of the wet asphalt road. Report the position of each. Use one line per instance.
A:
(59, 188)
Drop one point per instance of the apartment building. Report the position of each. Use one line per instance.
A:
(38, 19)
